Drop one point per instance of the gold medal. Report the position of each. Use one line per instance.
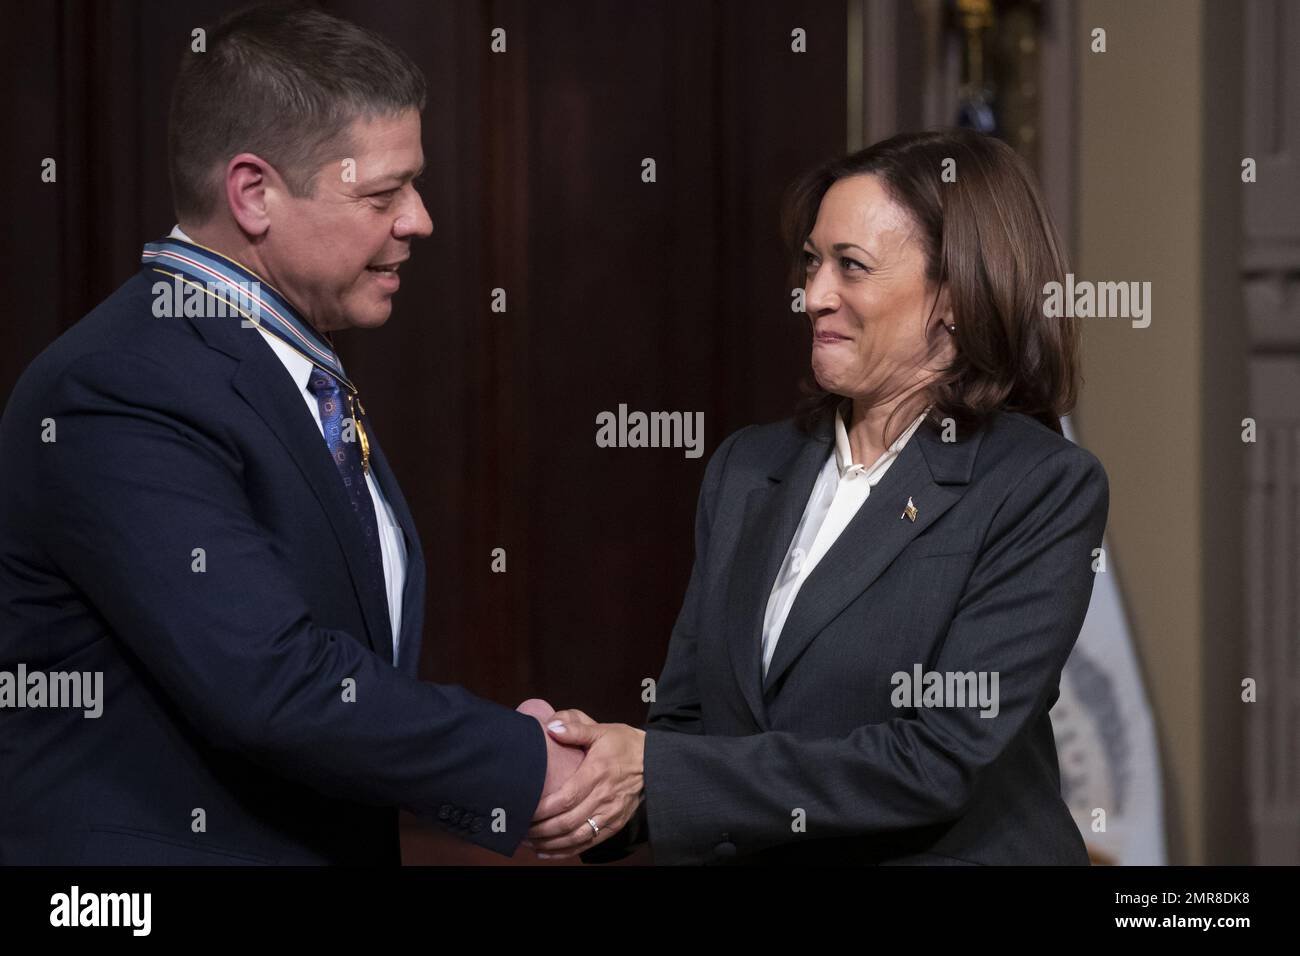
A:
(354, 404)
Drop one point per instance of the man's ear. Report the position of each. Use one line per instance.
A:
(248, 180)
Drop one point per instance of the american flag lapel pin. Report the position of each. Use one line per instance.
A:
(910, 511)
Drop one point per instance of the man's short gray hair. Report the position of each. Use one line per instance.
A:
(284, 83)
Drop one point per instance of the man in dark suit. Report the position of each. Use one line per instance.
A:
(197, 508)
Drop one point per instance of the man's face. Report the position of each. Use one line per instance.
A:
(324, 251)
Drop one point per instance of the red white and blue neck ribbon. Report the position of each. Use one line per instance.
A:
(246, 293)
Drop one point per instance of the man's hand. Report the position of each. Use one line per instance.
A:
(606, 789)
(561, 761)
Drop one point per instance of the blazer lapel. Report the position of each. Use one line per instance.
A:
(408, 644)
(934, 474)
(771, 516)
(262, 382)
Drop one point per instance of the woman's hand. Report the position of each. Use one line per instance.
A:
(606, 788)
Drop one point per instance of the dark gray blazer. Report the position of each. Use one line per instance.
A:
(815, 764)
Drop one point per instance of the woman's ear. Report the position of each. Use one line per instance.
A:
(938, 328)
(943, 308)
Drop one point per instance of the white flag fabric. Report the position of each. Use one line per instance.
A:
(1105, 736)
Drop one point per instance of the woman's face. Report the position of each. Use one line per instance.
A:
(867, 298)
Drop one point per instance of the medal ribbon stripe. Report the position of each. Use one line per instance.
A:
(283, 322)
(201, 268)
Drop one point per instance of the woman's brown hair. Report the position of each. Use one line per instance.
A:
(987, 235)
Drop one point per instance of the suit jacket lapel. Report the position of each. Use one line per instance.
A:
(771, 516)
(408, 644)
(934, 474)
(262, 382)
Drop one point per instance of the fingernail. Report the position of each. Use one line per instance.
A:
(543, 856)
(557, 726)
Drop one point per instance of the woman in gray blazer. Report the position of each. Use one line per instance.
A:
(887, 587)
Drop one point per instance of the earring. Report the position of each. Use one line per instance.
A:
(952, 329)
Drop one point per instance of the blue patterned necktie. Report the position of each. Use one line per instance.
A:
(346, 452)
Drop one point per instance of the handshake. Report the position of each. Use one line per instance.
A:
(593, 781)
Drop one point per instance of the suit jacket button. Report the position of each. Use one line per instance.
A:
(725, 848)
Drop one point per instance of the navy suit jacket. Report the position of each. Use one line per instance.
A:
(815, 763)
(226, 734)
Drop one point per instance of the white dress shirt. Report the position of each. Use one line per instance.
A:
(838, 493)
(392, 546)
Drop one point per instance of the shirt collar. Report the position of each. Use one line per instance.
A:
(844, 452)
